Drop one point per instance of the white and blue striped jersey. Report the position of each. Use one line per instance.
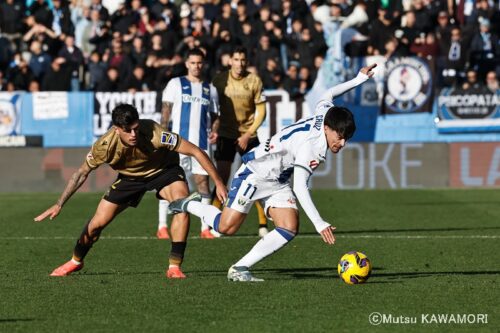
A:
(192, 104)
(301, 144)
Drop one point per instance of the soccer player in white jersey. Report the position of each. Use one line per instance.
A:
(191, 105)
(265, 175)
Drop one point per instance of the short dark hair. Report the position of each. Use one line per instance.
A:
(239, 49)
(195, 52)
(124, 115)
(341, 120)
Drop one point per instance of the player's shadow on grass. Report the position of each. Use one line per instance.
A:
(300, 273)
(341, 232)
(449, 203)
(395, 277)
(15, 320)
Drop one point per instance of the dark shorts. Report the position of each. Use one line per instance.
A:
(128, 191)
(227, 148)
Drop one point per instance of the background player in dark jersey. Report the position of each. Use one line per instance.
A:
(146, 157)
(242, 111)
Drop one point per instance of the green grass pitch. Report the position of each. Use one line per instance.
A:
(433, 252)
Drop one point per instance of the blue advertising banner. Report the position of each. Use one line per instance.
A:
(63, 119)
(471, 110)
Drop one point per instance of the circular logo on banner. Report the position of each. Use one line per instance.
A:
(409, 84)
(8, 118)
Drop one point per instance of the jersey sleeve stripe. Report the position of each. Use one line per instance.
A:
(303, 167)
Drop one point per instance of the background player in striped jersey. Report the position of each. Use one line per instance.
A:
(242, 111)
(295, 151)
(191, 105)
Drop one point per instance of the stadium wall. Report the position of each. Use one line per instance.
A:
(358, 166)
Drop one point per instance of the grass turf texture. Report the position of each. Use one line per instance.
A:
(418, 268)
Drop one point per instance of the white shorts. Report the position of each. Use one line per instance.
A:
(191, 165)
(247, 187)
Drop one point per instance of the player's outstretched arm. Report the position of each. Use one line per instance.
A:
(300, 177)
(364, 75)
(187, 148)
(74, 183)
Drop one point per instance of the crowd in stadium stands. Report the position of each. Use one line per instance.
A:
(138, 45)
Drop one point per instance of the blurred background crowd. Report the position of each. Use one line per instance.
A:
(138, 45)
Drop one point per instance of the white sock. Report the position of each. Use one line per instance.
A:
(207, 200)
(162, 213)
(267, 245)
(76, 262)
(207, 213)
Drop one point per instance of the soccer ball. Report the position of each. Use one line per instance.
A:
(354, 267)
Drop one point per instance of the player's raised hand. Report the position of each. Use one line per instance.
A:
(327, 235)
(52, 212)
(368, 70)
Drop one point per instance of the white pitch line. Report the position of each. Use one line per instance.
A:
(252, 237)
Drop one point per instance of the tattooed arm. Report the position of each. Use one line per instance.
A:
(166, 111)
(76, 180)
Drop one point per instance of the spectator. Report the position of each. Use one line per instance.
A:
(61, 19)
(136, 82)
(33, 86)
(41, 12)
(6, 52)
(423, 16)
(96, 70)
(264, 16)
(123, 18)
(271, 75)
(305, 80)
(146, 22)
(58, 78)
(40, 61)
(492, 81)
(20, 75)
(37, 31)
(443, 31)
(74, 59)
(2, 82)
(452, 60)
(83, 28)
(409, 32)
(138, 52)
(248, 38)
(11, 19)
(484, 48)
(291, 82)
(425, 46)
(471, 82)
(118, 59)
(224, 22)
(103, 11)
(110, 82)
(382, 30)
(264, 52)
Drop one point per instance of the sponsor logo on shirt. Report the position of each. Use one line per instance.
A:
(186, 98)
(168, 139)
